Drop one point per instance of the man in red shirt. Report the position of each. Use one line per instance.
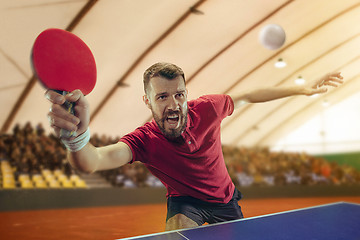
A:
(181, 145)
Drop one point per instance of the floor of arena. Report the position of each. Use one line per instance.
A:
(105, 223)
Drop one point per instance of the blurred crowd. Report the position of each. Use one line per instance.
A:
(261, 167)
(29, 151)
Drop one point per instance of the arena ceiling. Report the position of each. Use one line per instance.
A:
(215, 42)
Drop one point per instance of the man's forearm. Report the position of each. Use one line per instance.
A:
(90, 159)
(269, 94)
(273, 93)
(85, 160)
(317, 86)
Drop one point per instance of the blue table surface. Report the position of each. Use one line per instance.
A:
(332, 221)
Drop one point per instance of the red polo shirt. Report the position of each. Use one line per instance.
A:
(194, 165)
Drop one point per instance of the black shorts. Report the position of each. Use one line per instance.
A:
(201, 211)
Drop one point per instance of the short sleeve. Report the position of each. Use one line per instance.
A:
(223, 104)
(136, 140)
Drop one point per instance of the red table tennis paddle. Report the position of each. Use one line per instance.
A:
(61, 61)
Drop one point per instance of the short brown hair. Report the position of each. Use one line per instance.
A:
(167, 70)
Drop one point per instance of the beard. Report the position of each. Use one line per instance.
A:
(171, 133)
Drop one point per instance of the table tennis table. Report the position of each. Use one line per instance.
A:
(340, 220)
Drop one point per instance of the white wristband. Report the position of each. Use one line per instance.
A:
(77, 143)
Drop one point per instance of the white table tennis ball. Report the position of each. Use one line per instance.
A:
(272, 36)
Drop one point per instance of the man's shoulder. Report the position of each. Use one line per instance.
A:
(148, 127)
(208, 99)
(220, 104)
(146, 130)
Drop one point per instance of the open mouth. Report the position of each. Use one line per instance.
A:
(173, 120)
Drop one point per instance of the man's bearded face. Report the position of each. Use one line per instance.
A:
(167, 100)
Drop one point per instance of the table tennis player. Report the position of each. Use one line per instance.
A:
(181, 145)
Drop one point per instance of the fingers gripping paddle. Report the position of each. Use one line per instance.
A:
(61, 61)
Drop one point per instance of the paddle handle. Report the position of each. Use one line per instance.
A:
(69, 106)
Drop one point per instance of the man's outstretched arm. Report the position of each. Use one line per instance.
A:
(88, 158)
(272, 93)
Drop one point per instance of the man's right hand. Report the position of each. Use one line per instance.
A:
(59, 118)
